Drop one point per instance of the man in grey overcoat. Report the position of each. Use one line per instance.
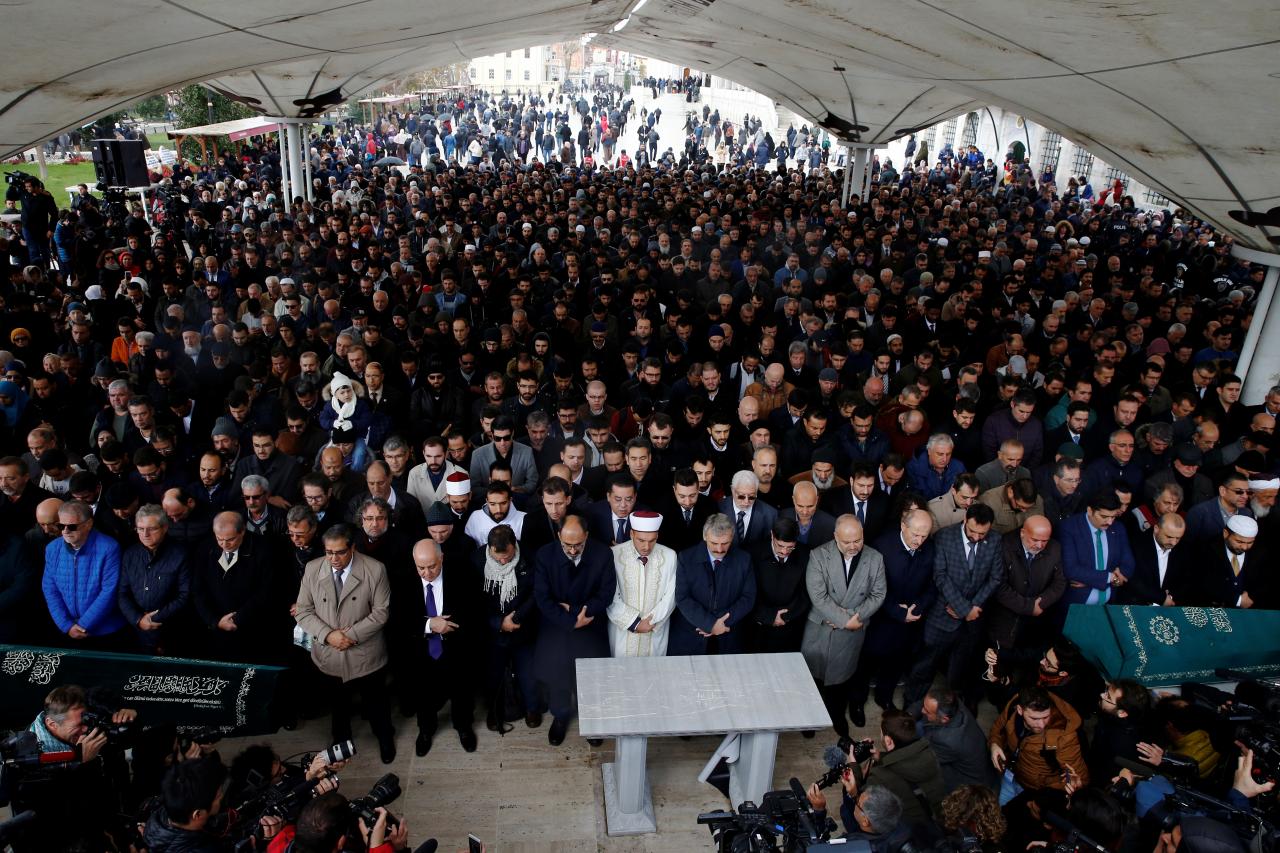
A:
(846, 585)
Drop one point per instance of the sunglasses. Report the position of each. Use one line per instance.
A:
(69, 528)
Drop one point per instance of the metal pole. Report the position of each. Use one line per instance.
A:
(44, 167)
(866, 178)
(284, 168)
(295, 156)
(1259, 362)
(306, 153)
(848, 178)
(860, 168)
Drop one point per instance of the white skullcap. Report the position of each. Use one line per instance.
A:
(1242, 525)
(1265, 485)
(645, 521)
(984, 254)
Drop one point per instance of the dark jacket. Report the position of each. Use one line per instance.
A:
(1011, 611)
(906, 769)
(159, 582)
(960, 745)
(161, 837)
(524, 606)
(779, 586)
(704, 594)
(909, 580)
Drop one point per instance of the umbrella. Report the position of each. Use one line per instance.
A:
(389, 161)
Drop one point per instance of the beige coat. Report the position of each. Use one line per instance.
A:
(362, 614)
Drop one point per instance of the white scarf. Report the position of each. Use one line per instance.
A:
(501, 578)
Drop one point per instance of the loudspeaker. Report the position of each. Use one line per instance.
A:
(120, 162)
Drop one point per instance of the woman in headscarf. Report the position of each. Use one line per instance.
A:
(13, 405)
(347, 408)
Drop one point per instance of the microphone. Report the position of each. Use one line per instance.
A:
(834, 756)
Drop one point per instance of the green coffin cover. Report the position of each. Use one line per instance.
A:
(189, 693)
(1169, 645)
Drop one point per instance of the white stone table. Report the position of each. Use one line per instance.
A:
(750, 698)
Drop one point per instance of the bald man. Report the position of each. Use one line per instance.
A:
(816, 526)
(1160, 558)
(1033, 583)
(846, 584)
(896, 627)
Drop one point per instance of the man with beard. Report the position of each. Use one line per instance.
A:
(512, 614)
(497, 510)
(574, 582)
(213, 488)
(427, 480)
(226, 441)
(21, 496)
(822, 474)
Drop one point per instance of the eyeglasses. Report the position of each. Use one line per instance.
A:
(335, 552)
(1236, 491)
(748, 498)
(502, 438)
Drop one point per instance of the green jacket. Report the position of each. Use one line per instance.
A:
(908, 769)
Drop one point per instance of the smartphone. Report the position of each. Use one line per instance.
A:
(474, 845)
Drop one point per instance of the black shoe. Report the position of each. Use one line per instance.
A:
(533, 719)
(559, 728)
(422, 745)
(858, 716)
(595, 741)
(467, 738)
(491, 722)
(387, 751)
(808, 735)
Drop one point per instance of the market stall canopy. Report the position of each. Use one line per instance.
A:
(1173, 91)
(241, 128)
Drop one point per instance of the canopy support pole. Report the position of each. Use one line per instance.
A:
(284, 169)
(860, 169)
(306, 156)
(848, 179)
(295, 157)
(1259, 362)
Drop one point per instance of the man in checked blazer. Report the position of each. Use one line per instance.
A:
(846, 585)
(967, 569)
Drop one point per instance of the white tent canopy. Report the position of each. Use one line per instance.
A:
(236, 129)
(1173, 91)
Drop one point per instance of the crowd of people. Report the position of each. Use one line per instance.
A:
(439, 433)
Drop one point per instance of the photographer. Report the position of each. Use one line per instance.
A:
(39, 215)
(325, 824)
(77, 794)
(190, 796)
(908, 768)
(873, 815)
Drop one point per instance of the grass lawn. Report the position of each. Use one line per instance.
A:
(60, 176)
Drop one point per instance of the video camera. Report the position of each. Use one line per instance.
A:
(18, 178)
(1251, 716)
(784, 821)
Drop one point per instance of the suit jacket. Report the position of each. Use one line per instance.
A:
(1210, 581)
(839, 503)
(959, 588)
(1145, 586)
(703, 595)
(830, 649)
(908, 581)
(536, 531)
(779, 586)
(601, 524)
(365, 606)
(677, 535)
(1204, 521)
(524, 470)
(1012, 610)
(822, 529)
(759, 526)
(1079, 558)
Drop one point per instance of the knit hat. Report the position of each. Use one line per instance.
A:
(224, 426)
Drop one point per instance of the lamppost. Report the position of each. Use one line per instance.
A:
(210, 105)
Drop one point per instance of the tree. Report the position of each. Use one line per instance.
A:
(154, 108)
(193, 110)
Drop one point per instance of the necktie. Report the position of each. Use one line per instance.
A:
(848, 571)
(715, 566)
(227, 560)
(688, 516)
(644, 561)
(858, 510)
(742, 531)
(622, 530)
(1100, 559)
(337, 585)
(970, 548)
(435, 646)
(1235, 564)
